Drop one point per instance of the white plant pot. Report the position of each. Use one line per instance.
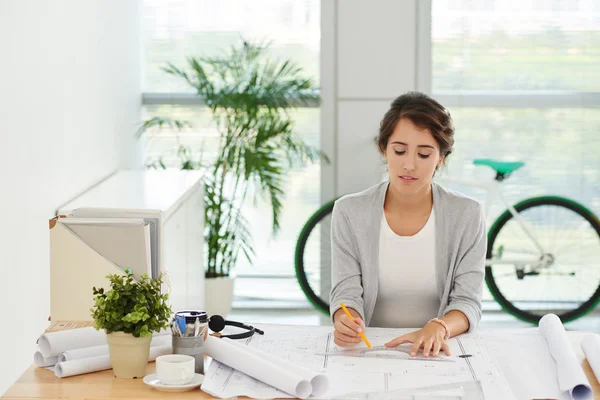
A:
(219, 295)
(128, 355)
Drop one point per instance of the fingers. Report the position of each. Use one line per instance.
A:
(399, 340)
(446, 348)
(348, 327)
(427, 344)
(436, 348)
(343, 340)
(415, 347)
(357, 324)
(360, 323)
(346, 331)
(431, 344)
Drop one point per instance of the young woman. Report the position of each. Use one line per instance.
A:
(407, 253)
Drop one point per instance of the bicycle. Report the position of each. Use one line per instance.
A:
(534, 263)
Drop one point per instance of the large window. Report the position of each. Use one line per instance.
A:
(522, 85)
(516, 46)
(177, 29)
(522, 80)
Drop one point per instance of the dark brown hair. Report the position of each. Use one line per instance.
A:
(424, 112)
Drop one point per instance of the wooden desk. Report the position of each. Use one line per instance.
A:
(39, 383)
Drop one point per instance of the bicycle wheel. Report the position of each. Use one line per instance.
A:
(313, 258)
(564, 279)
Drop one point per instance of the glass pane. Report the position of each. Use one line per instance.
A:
(202, 137)
(559, 147)
(274, 255)
(176, 29)
(486, 45)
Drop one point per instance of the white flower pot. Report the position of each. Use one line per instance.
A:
(128, 355)
(219, 295)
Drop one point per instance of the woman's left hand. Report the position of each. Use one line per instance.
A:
(430, 338)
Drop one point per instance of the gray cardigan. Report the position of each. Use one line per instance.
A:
(461, 243)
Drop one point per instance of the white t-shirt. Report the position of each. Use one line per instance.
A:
(408, 296)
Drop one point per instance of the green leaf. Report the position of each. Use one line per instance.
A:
(125, 307)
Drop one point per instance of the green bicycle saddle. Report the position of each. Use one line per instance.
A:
(502, 167)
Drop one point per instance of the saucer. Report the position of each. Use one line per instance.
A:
(152, 380)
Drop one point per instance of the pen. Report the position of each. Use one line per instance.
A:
(196, 327)
(181, 324)
(175, 328)
(362, 335)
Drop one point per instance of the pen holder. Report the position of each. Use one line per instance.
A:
(191, 346)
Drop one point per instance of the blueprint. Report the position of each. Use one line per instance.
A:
(469, 373)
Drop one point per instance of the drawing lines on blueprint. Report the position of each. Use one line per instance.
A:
(468, 361)
(327, 349)
(307, 346)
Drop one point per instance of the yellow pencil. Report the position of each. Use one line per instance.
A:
(362, 335)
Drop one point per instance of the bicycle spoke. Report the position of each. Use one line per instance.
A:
(582, 225)
(565, 234)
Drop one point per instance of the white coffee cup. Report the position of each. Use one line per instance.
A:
(175, 369)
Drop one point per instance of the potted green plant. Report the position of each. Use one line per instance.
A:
(249, 95)
(129, 312)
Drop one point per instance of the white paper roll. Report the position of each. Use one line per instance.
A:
(94, 351)
(82, 366)
(319, 381)
(99, 363)
(571, 378)
(257, 367)
(42, 361)
(85, 352)
(53, 343)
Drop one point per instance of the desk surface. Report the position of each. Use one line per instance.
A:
(39, 383)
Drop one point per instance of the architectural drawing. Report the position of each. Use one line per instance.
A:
(472, 374)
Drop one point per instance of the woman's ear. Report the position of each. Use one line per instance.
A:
(440, 162)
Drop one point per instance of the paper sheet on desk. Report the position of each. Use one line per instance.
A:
(525, 358)
(301, 346)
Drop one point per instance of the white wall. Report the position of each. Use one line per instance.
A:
(369, 57)
(70, 99)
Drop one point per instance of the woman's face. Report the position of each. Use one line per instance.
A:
(412, 155)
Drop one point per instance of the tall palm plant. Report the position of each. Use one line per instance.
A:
(249, 95)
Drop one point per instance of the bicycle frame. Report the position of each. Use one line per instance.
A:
(494, 192)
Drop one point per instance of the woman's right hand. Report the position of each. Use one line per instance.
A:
(346, 330)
